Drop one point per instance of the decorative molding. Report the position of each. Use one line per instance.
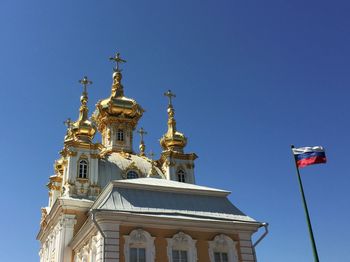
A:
(223, 244)
(182, 241)
(132, 167)
(139, 238)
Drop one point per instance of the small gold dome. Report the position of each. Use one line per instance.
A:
(82, 130)
(173, 142)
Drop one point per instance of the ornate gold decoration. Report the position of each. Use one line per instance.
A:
(94, 156)
(172, 140)
(117, 108)
(132, 167)
(82, 130)
(177, 155)
(59, 166)
(142, 146)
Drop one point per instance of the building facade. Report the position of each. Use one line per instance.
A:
(109, 203)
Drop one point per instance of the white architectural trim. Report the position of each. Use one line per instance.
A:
(223, 244)
(139, 238)
(87, 252)
(182, 241)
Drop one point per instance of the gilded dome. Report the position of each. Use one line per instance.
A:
(82, 130)
(172, 140)
(117, 105)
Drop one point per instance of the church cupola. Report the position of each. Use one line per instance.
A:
(172, 140)
(82, 130)
(117, 116)
(80, 153)
(176, 164)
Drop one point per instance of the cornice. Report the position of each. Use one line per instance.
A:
(61, 206)
(185, 223)
(178, 155)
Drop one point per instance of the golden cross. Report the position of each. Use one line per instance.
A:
(142, 132)
(118, 60)
(170, 95)
(85, 82)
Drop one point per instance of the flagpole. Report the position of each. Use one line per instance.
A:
(314, 249)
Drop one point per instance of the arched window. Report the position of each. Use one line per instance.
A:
(181, 176)
(83, 168)
(182, 248)
(120, 135)
(139, 247)
(131, 174)
(222, 249)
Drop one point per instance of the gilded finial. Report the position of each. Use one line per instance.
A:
(142, 146)
(83, 116)
(118, 60)
(153, 171)
(151, 155)
(117, 87)
(68, 122)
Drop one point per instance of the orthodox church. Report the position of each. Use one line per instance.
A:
(110, 203)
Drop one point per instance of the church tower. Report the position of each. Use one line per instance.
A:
(176, 164)
(80, 153)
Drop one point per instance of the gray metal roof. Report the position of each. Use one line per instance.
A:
(111, 167)
(171, 198)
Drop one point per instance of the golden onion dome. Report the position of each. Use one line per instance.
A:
(117, 105)
(82, 130)
(173, 140)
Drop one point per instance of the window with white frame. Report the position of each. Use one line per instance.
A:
(181, 176)
(120, 135)
(222, 249)
(83, 168)
(139, 247)
(181, 248)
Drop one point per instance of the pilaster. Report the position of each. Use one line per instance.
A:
(67, 223)
(246, 247)
(111, 241)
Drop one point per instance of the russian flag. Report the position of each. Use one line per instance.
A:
(305, 156)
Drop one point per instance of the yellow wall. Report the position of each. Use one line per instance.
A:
(161, 244)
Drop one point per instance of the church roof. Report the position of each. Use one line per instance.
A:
(160, 197)
(116, 165)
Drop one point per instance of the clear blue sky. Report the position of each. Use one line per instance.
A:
(251, 78)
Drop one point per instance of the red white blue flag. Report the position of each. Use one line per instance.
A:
(305, 156)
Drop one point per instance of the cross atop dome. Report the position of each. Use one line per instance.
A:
(142, 146)
(170, 95)
(85, 82)
(118, 60)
